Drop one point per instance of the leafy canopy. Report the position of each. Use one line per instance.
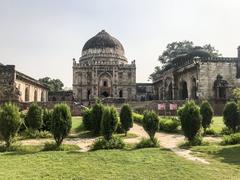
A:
(53, 84)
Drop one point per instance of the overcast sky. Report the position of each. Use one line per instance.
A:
(41, 37)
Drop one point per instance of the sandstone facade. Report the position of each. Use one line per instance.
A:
(198, 77)
(16, 86)
(103, 71)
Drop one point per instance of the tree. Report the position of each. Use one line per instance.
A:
(109, 122)
(189, 115)
(53, 84)
(87, 119)
(207, 114)
(34, 117)
(47, 120)
(10, 122)
(175, 49)
(61, 122)
(97, 111)
(231, 116)
(126, 118)
(150, 123)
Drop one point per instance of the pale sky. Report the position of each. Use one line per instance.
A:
(41, 37)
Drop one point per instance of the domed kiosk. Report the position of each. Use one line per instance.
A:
(103, 70)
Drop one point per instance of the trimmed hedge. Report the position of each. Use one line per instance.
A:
(87, 119)
(61, 122)
(231, 116)
(126, 118)
(137, 118)
(168, 124)
(34, 117)
(150, 123)
(189, 115)
(231, 139)
(10, 122)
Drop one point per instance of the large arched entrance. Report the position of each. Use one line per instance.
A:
(183, 90)
(105, 85)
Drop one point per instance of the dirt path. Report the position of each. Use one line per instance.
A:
(83, 143)
(169, 141)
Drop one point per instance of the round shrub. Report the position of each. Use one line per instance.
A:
(207, 114)
(168, 124)
(147, 143)
(87, 119)
(109, 122)
(34, 117)
(231, 116)
(47, 120)
(150, 123)
(61, 122)
(97, 111)
(137, 118)
(189, 115)
(126, 118)
(113, 143)
(10, 122)
(231, 139)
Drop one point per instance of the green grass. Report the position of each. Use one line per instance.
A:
(226, 154)
(217, 124)
(77, 125)
(113, 164)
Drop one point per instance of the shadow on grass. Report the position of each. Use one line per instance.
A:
(229, 155)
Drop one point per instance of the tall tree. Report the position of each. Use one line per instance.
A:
(52, 84)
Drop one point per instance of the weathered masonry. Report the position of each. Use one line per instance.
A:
(16, 86)
(103, 70)
(197, 75)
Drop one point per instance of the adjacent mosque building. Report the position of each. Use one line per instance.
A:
(198, 75)
(103, 70)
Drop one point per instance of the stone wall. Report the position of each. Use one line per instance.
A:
(208, 74)
(7, 79)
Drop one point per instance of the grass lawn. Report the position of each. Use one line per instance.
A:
(152, 163)
(217, 124)
(76, 124)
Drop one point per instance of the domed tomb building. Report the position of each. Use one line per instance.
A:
(103, 70)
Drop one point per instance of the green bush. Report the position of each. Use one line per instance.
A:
(61, 122)
(126, 118)
(109, 122)
(87, 119)
(150, 123)
(34, 117)
(147, 143)
(206, 112)
(97, 111)
(113, 143)
(226, 131)
(231, 116)
(231, 139)
(119, 129)
(10, 122)
(47, 120)
(33, 134)
(168, 124)
(210, 131)
(189, 115)
(137, 118)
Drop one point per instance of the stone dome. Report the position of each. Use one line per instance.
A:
(101, 41)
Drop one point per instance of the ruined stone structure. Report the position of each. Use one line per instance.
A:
(103, 70)
(16, 86)
(144, 92)
(197, 75)
(60, 96)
